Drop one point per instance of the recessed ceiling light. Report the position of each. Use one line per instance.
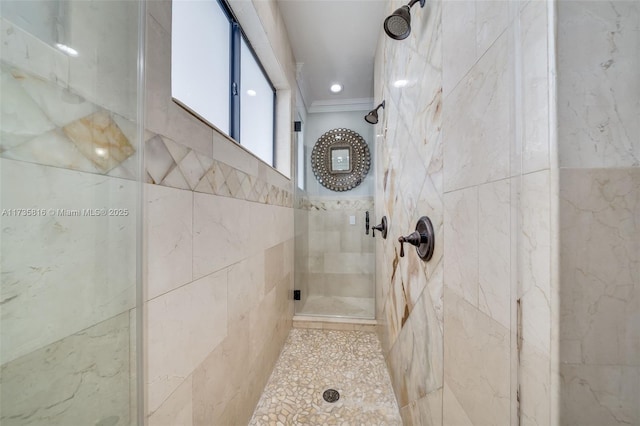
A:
(101, 152)
(336, 88)
(400, 83)
(251, 92)
(66, 49)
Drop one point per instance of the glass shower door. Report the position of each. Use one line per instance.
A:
(70, 207)
(335, 256)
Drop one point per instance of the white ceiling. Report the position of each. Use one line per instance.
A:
(334, 42)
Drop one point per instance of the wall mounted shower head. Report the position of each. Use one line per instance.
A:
(398, 24)
(372, 116)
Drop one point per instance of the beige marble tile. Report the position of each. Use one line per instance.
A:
(476, 362)
(425, 411)
(469, 135)
(316, 283)
(80, 379)
(22, 118)
(175, 179)
(274, 263)
(27, 52)
(535, 86)
(169, 232)
(598, 87)
(416, 358)
(100, 139)
(599, 394)
(535, 385)
(227, 363)
(245, 287)
(349, 285)
(458, 42)
(492, 18)
(263, 325)
(46, 260)
(461, 254)
(193, 316)
(158, 160)
(229, 152)
(106, 70)
(600, 265)
(227, 230)
(192, 169)
(52, 148)
(494, 249)
(453, 413)
(61, 105)
(177, 410)
(328, 359)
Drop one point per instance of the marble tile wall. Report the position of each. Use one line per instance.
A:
(598, 86)
(69, 149)
(220, 259)
(340, 254)
(91, 375)
(599, 296)
(498, 192)
(409, 161)
(599, 206)
(467, 144)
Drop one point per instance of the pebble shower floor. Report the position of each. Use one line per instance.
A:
(313, 361)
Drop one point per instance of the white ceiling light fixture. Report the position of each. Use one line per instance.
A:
(251, 92)
(336, 88)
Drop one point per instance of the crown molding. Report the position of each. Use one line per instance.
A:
(341, 105)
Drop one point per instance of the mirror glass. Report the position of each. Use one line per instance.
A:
(340, 159)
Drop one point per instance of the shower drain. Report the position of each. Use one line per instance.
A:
(331, 395)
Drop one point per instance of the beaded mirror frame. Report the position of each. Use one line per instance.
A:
(340, 159)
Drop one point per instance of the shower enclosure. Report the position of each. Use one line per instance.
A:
(334, 257)
(70, 202)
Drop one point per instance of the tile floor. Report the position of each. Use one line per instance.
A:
(315, 360)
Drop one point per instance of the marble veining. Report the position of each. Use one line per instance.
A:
(599, 296)
(100, 139)
(598, 87)
(46, 124)
(89, 384)
(77, 269)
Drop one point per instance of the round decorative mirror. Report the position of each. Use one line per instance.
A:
(340, 159)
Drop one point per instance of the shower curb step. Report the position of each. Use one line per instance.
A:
(332, 323)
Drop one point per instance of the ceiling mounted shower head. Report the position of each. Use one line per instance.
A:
(372, 116)
(398, 24)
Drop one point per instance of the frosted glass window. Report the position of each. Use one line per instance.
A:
(200, 59)
(256, 107)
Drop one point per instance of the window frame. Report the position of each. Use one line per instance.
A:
(236, 35)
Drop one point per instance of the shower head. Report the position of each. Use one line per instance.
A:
(372, 116)
(398, 24)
